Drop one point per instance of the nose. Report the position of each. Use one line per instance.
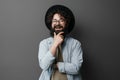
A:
(58, 22)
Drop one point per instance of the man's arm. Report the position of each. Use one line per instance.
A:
(45, 56)
(76, 62)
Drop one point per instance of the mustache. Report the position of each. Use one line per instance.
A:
(58, 26)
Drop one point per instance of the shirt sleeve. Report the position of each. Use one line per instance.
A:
(76, 61)
(45, 56)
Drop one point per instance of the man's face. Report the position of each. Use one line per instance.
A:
(58, 23)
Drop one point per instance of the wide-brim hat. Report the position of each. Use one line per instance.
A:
(53, 9)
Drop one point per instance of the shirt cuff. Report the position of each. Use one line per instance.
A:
(61, 67)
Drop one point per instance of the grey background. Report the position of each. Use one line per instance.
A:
(22, 28)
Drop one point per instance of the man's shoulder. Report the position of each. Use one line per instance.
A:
(73, 40)
(47, 40)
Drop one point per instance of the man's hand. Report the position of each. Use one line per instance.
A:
(58, 39)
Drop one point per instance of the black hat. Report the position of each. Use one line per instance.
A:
(62, 9)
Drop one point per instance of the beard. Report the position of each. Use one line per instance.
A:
(65, 30)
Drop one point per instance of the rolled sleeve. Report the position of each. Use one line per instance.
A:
(45, 56)
(47, 60)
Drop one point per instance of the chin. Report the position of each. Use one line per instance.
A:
(57, 31)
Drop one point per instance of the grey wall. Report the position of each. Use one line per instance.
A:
(22, 28)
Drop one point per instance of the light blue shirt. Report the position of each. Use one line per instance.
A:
(72, 57)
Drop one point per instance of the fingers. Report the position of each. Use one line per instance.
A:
(58, 38)
(62, 36)
(59, 34)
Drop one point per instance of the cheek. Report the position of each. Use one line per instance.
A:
(63, 24)
(52, 25)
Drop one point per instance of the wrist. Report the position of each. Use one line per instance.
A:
(55, 45)
(53, 49)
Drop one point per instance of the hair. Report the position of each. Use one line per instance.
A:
(63, 11)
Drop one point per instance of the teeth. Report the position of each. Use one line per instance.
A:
(58, 28)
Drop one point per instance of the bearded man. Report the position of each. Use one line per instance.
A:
(60, 56)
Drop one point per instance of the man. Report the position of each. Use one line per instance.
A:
(60, 56)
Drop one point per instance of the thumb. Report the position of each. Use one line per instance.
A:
(54, 34)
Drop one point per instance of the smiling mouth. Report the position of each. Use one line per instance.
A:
(58, 29)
